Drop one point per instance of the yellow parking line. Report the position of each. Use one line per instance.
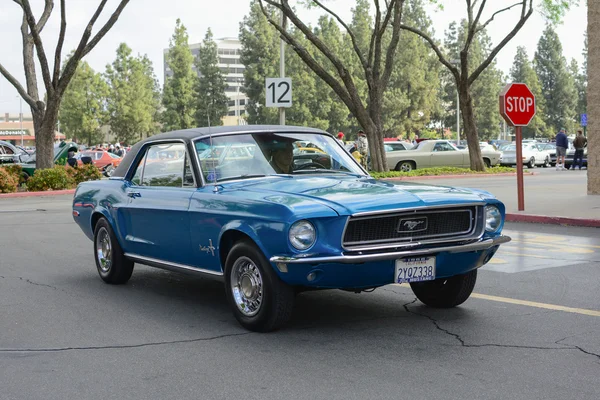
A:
(546, 306)
(510, 253)
(508, 300)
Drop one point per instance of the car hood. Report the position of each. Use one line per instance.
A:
(349, 195)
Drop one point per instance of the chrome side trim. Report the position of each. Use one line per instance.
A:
(482, 244)
(171, 266)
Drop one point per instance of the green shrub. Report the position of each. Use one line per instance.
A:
(8, 181)
(56, 178)
(83, 173)
(441, 171)
(16, 171)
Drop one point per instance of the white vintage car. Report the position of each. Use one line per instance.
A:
(533, 155)
(437, 153)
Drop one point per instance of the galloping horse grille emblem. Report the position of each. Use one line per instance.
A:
(416, 224)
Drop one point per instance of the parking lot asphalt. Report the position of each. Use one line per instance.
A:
(531, 330)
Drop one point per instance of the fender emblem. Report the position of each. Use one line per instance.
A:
(208, 249)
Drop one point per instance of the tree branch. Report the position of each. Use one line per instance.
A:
(107, 26)
(374, 34)
(318, 43)
(435, 48)
(391, 50)
(84, 47)
(357, 50)
(59, 45)
(507, 38)
(22, 92)
(309, 60)
(486, 23)
(37, 40)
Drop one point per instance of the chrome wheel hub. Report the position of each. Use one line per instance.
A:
(103, 250)
(246, 286)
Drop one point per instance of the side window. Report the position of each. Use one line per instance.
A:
(139, 171)
(188, 174)
(7, 150)
(164, 165)
(437, 147)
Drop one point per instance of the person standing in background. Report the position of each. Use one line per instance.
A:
(579, 144)
(562, 144)
(362, 146)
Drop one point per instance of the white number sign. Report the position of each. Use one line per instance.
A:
(278, 92)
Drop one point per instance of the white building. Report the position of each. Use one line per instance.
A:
(233, 71)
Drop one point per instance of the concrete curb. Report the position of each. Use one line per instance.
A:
(427, 177)
(37, 194)
(543, 219)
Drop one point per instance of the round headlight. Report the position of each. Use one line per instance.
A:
(302, 235)
(493, 218)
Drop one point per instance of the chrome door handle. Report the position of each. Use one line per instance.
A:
(133, 195)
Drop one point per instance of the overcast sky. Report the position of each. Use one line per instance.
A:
(147, 25)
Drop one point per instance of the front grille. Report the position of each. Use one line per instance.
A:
(426, 224)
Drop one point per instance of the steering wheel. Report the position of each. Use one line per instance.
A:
(311, 164)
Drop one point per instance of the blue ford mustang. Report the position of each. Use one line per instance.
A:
(241, 204)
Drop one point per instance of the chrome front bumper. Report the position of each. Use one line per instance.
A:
(482, 244)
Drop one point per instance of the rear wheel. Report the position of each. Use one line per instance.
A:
(112, 265)
(445, 292)
(260, 301)
(405, 166)
(531, 163)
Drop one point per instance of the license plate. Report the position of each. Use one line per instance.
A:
(415, 269)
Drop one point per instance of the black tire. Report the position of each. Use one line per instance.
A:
(117, 269)
(487, 163)
(547, 162)
(531, 163)
(276, 297)
(445, 292)
(24, 177)
(405, 166)
(109, 170)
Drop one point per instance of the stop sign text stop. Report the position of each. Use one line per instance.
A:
(517, 104)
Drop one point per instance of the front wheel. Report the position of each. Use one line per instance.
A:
(405, 166)
(445, 292)
(111, 263)
(109, 170)
(260, 301)
(547, 162)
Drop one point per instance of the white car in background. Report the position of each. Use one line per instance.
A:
(532, 155)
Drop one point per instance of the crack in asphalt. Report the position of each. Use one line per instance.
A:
(124, 346)
(513, 346)
(29, 281)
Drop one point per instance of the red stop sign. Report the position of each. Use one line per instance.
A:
(517, 104)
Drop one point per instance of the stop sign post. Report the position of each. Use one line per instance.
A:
(517, 107)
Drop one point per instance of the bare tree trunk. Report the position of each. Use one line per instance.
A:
(378, 159)
(44, 137)
(470, 127)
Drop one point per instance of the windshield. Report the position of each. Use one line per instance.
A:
(263, 154)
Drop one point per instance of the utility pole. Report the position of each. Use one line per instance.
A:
(282, 68)
(21, 118)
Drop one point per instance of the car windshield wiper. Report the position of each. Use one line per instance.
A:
(321, 170)
(247, 176)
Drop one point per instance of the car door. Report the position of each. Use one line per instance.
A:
(156, 219)
(444, 155)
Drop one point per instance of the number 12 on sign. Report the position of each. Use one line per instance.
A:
(278, 92)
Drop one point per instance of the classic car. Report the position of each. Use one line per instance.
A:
(61, 151)
(549, 148)
(532, 155)
(438, 153)
(269, 235)
(103, 160)
(571, 154)
(10, 153)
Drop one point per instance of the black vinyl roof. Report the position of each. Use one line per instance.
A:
(194, 133)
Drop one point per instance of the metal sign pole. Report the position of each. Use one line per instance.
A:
(520, 190)
(282, 68)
